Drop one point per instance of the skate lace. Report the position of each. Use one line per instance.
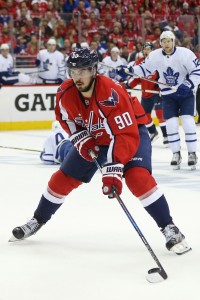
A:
(30, 226)
(170, 232)
(176, 157)
(192, 157)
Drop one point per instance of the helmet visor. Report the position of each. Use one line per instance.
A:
(76, 73)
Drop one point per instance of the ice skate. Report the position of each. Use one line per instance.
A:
(192, 160)
(154, 136)
(26, 230)
(176, 160)
(175, 240)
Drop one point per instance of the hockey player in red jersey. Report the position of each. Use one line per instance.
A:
(150, 100)
(99, 115)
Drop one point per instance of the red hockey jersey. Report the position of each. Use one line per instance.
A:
(110, 115)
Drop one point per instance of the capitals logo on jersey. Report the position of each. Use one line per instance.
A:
(171, 77)
(112, 100)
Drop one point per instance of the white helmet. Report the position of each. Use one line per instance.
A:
(56, 125)
(167, 35)
(4, 47)
(51, 41)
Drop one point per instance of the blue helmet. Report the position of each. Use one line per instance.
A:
(148, 45)
(82, 58)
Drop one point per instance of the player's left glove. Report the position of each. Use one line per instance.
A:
(84, 142)
(123, 71)
(112, 179)
(184, 89)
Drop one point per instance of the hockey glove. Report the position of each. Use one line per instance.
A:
(123, 71)
(112, 179)
(59, 80)
(83, 142)
(184, 89)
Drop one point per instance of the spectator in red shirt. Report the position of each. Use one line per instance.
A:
(125, 42)
(30, 27)
(11, 6)
(107, 8)
(156, 34)
(174, 12)
(81, 10)
(116, 34)
(32, 46)
(36, 14)
(7, 38)
(61, 28)
(185, 10)
(159, 13)
(130, 31)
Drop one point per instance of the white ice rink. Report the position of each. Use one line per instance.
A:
(90, 250)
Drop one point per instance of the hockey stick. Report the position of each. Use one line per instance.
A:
(145, 91)
(155, 274)
(16, 148)
(35, 72)
(144, 78)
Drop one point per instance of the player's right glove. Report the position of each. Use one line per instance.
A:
(59, 80)
(184, 89)
(84, 142)
(112, 179)
(123, 71)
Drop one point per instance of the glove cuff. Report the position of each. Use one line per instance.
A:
(187, 83)
(113, 168)
(78, 136)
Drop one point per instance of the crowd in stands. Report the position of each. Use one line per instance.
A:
(27, 25)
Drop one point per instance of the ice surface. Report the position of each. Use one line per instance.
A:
(89, 250)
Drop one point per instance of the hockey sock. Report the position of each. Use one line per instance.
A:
(159, 211)
(163, 129)
(151, 128)
(45, 210)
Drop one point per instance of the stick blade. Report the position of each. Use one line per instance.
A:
(156, 275)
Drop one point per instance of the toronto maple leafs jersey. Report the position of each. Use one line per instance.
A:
(108, 67)
(6, 64)
(51, 64)
(110, 115)
(145, 85)
(173, 69)
(49, 154)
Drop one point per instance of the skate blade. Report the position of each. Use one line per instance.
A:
(155, 139)
(181, 248)
(177, 167)
(192, 168)
(13, 239)
(166, 145)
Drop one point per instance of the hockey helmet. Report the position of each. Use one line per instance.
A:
(4, 47)
(51, 41)
(82, 58)
(148, 45)
(167, 35)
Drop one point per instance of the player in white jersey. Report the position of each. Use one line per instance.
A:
(179, 68)
(110, 63)
(7, 74)
(51, 64)
(56, 146)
